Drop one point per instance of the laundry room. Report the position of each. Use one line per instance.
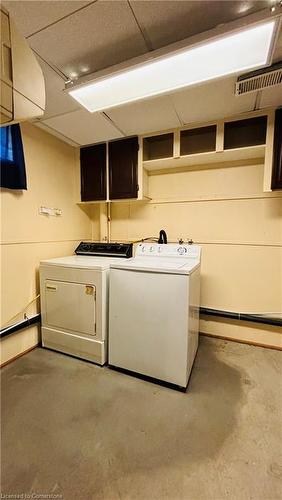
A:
(141, 249)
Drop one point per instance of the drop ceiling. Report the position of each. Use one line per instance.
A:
(73, 38)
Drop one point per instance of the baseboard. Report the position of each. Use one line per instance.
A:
(19, 355)
(232, 339)
(256, 344)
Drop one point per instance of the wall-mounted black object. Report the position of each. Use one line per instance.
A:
(93, 172)
(276, 181)
(162, 237)
(104, 249)
(123, 165)
(13, 175)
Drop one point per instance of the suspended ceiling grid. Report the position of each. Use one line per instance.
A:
(73, 38)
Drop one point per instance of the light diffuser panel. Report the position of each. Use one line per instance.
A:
(231, 54)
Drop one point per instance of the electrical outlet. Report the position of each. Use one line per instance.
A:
(50, 211)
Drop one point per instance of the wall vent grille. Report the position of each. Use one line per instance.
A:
(258, 82)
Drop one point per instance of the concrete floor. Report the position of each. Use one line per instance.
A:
(74, 430)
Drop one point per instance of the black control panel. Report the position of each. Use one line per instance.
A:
(104, 249)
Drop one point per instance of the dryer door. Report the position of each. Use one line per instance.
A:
(71, 306)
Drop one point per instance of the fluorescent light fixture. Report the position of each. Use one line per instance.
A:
(228, 55)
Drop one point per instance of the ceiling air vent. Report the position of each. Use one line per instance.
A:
(259, 80)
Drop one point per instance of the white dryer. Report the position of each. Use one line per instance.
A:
(154, 312)
(74, 300)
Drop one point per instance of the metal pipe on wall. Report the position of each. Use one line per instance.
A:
(8, 330)
(253, 318)
(109, 222)
(103, 222)
(204, 311)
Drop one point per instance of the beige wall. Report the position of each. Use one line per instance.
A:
(28, 237)
(224, 209)
(239, 228)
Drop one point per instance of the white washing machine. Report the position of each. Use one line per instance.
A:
(154, 312)
(74, 300)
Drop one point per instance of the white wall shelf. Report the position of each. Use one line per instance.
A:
(256, 134)
(209, 158)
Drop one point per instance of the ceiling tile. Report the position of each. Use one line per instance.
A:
(31, 16)
(271, 97)
(103, 34)
(211, 101)
(277, 56)
(57, 102)
(54, 132)
(146, 116)
(179, 19)
(83, 127)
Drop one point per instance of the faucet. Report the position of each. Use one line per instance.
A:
(162, 237)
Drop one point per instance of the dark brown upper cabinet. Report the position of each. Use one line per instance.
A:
(276, 181)
(198, 140)
(244, 133)
(123, 169)
(93, 173)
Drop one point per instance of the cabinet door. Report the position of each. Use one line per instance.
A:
(93, 173)
(123, 164)
(276, 182)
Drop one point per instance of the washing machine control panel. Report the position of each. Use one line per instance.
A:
(168, 250)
